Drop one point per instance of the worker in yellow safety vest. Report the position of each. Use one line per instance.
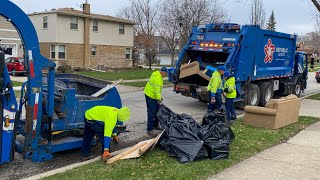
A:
(230, 93)
(153, 97)
(102, 120)
(215, 89)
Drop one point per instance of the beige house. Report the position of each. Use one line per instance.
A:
(84, 39)
(10, 41)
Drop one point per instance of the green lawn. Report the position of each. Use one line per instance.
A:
(15, 83)
(157, 164)
(315, 97)
(143, 83)
(17, 94)
(118, 74)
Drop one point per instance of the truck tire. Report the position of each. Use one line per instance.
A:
(297, 88)
(266, 93)
(252, 95)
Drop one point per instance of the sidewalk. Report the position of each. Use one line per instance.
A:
(299, 158)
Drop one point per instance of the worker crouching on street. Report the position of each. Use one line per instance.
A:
(230, 93)
(215, 89)
(153, 96)
(102, 120)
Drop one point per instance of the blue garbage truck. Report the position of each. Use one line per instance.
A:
(265, 63)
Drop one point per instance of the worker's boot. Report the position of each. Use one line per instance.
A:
(87, 158)
(154, 133)
(158, 128)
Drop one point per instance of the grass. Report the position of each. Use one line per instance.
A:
(315, 97)
(15, 83)
(157, 164)
(143, 83)
(17, 93)
(118, 74)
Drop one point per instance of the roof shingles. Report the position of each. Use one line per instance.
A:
(74, 12)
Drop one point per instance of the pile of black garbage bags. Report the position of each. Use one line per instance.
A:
(188, 141)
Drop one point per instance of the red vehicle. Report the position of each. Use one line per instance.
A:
(15, 65)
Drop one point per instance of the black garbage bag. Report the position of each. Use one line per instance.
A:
(214, 118)
(194, 124)
(188, 141)
(165, 117)
(217, 135)
(184, 142)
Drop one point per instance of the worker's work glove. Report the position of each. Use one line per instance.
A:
(115, 139)
(106, 155)
(213, 100)
(226, 90)
(160, 101)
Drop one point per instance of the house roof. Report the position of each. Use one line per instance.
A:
(78, 13)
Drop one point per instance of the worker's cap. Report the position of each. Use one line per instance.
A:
(124, 114)
(222, 68)
(227, 74)
(164, 69)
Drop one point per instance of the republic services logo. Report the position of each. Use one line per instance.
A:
(269, 50)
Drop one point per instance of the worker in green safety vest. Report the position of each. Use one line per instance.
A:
(102, 120)
(230, 93)
(153, 97)
(215, 89)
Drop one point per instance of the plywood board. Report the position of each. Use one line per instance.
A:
(137, 150)
(191, 69)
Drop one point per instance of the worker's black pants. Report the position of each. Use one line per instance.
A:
(217, 105)
(231, 112)
(152, 106)
(92, 128)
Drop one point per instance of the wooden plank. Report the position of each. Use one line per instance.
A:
(147, 147)
(136, 153)
(107, 88)
(157, 139)
(134, 148)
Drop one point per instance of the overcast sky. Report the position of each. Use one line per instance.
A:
(292, 16)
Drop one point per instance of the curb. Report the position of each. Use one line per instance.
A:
(314, 93)
(69, 167)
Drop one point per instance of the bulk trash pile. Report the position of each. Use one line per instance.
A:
(188, 141)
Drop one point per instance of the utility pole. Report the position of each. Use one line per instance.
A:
(315, 2)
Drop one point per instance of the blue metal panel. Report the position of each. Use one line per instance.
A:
(49, 108)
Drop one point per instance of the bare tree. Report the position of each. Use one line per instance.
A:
(144, 13)
(316, 3)
(194, 13)
(258, 14)
(197, 12)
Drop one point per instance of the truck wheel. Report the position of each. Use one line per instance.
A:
(253, 95)
(297, 88)
(266, 93)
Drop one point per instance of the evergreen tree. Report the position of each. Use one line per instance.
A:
(272, 22)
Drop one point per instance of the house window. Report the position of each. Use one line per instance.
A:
(73, 23)
(52, 52)
(128, 53)
(60, 49)
(95, 25)
(93, 50)
(45, 22)
(121, 28)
